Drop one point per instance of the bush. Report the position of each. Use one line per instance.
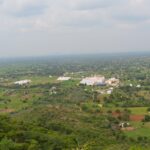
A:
(147, 118)
(148, 109)
(91, 107)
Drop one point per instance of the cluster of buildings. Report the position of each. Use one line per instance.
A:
(96, 81)
(90, 81)
(99, 80)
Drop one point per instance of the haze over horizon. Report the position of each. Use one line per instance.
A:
(57, 27)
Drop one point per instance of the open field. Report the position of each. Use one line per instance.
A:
(141, 130)
(134, 110)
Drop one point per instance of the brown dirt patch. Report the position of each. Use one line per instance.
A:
(128, 129)
(6, 110)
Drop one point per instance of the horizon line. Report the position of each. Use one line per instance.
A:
(77, 54)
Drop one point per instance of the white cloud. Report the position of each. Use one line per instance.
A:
(46, 14)
(66, 20)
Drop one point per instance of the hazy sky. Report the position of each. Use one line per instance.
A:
(45, 27)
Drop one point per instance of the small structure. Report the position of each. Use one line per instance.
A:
(53, 90)
(64, 78)
(112, 82)
(96, 80)
(22, 82)
(109, 92)
(124, 124)
(138, 86)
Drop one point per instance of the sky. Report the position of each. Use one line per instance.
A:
(56, 27)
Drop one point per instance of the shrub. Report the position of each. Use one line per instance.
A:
(147, 118)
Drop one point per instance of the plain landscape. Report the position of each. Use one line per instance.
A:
(75, 103)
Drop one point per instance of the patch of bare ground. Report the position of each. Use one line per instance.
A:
(128, 129)
(6, 110)
(136, 117)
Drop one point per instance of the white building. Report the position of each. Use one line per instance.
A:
(96, 80)
(109, 91)
(22, 82)
(64, 78)
(138, 86)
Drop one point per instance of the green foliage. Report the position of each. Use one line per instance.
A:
(70, 118)
(147, 118)
(148, 109)
(91, 107)
(6, 144)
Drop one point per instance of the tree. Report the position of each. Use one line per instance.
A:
(148, 109)
(147, 118)
(6, 144)
(34, 145)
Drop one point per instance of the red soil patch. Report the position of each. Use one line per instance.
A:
(136, 117)
(132, 117)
